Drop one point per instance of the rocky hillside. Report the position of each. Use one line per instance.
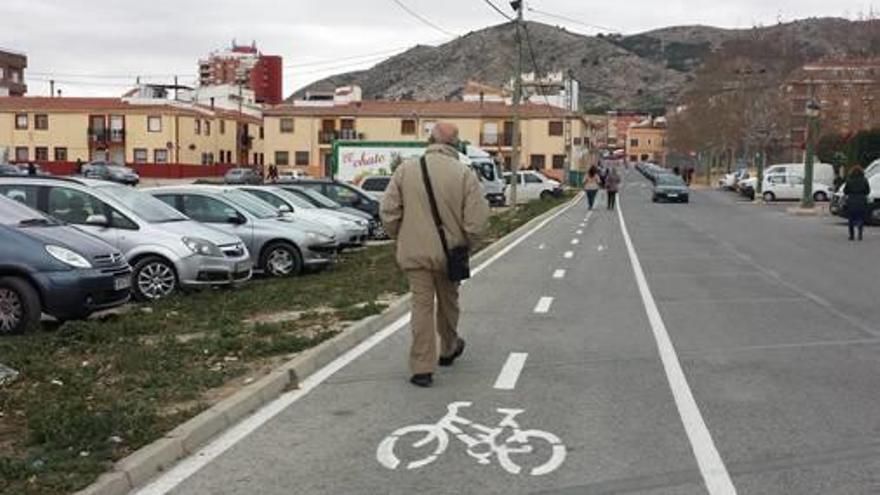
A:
(643, 71)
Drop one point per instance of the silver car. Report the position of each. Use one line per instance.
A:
(166, 249)
(350, 232)
(281, 245)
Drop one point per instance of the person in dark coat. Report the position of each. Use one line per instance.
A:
(612, 186)
(857, 190)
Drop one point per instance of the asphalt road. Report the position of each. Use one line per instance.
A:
(739, 354)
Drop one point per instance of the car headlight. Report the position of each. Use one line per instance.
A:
(318, 237)
(67, 256)
(202, 247)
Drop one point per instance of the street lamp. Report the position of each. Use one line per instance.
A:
(812, 110)
(764, 134)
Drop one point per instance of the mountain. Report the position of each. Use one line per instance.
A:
(643, 71)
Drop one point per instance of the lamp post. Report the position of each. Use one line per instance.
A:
(813, 110)
(764, 134)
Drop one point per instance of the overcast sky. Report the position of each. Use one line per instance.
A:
(97, 47)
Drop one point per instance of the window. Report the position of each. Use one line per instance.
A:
(21, 121)
(60, 154)
(140, 155)
(2, 73)
(286, 125)
(634, 142)
(22, 154)
(537, 162)
(342, 195)
(532, 179)
(73, 206)
(554, 128)
(198, 126)
(282, 158)
(558, 161)
(408, 127)
(160, 155)
(16, 76)
(302, 158)
(41, 122)
(222, 126)
(41, 154)
(207, 128)
(645, 157)
(207, 210)
(154, 123)
(428, 127)
(26, 195)
(262, 132)
(633, 158)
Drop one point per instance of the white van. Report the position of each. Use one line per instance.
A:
(489, 172)
(534, 185)
(790, 186)
(822, 172)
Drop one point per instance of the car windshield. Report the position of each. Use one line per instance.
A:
(251, 204)
(143, 205)
(14, 213)
(293, 199)
(669, 180)
(320, 199)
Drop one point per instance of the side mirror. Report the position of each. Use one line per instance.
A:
(97, 221)
(285, 209)
(234, 218)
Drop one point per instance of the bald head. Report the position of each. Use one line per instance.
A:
(444, 133)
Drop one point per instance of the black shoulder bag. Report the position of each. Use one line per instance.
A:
(458, 263)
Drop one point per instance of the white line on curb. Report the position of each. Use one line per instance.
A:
(510, 372)
(568, 255)
(711, 465)
(187, 467)
(543, 305)
(559, 274)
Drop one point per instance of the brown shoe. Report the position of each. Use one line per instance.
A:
(459, 350)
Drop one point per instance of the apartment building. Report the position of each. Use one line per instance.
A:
(126, 130)
(12, 65)
(646, 141)
(244, 65)
(301, 135)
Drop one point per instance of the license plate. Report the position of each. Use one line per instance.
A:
(122, 283)
(672, 195)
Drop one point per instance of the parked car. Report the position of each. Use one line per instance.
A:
(838, 205)
(323, 202)
(281, 245)
(286, 176)
(348, 196)
(166, 249)
(822, 172)
(731, 181)
(242, 175)
(670, 187)
(7, 169)
(350, 232)
(747, 187)
(48, 267)
(790, 186)
(110, 172)
(532, 185)
(375, 185)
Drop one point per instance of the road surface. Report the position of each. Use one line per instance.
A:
(713, 348)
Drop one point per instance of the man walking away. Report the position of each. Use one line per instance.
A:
(612, 184)
(591, 185)
(407, 216)
(857, 190)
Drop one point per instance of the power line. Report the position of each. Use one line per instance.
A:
(423, 19)
(536, 67)
(572, 20)
(495, 7)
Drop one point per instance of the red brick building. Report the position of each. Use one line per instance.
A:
(244, 65)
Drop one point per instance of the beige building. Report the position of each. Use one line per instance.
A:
(65, 130)
(301, 135)
(646, 142)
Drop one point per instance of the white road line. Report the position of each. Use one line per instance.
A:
(226, 440)
(543, 305)
(510, 372)
(559, 274)
(583, 224)
(575, 242)
(600, 248)
(568, 255)
(711, 465)
(542, 246)
(579, 232)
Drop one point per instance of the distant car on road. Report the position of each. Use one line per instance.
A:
(242, 175)
(48, 267)
(111, 172)
(670, 187)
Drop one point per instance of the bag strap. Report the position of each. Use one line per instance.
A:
(433, 200)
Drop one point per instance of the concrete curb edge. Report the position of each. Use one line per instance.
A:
(139, 467)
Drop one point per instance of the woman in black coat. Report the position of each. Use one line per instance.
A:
(857, 190)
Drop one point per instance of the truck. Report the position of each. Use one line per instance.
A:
(353, 161)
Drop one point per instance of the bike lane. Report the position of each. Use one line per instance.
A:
(591, 377)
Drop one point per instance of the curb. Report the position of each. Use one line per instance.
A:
(138, 468)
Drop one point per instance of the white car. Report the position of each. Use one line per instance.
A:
(533, 185)
(791, 187)
(375, 185)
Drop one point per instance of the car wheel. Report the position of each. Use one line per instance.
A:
(655, 199)
(280, 259)
(820, 196)
(153, 278)
(546, 195)
(19, 306)
(769, 196)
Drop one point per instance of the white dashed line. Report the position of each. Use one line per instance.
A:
(568, 255)
(510, 372)
(600, 248)
(579, 232)
(542, 246)
(559, 274)
(575, 242)
(543, 305)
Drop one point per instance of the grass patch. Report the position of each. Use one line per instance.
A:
(92, 392)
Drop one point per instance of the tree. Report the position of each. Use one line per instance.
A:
(864, 148)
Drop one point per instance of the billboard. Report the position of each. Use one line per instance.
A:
(356, 160)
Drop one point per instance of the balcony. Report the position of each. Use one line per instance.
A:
(106, 136)
(327, 137)
(495, 140)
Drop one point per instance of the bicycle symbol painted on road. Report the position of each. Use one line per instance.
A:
(482, 445)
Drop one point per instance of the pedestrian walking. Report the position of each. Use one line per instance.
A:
(32, 169)
(435, 210)
(591, 185)
(857, 189)
(612, 185)
(79, 166)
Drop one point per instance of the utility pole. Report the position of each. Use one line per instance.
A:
(517, 96)
(812, 132)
